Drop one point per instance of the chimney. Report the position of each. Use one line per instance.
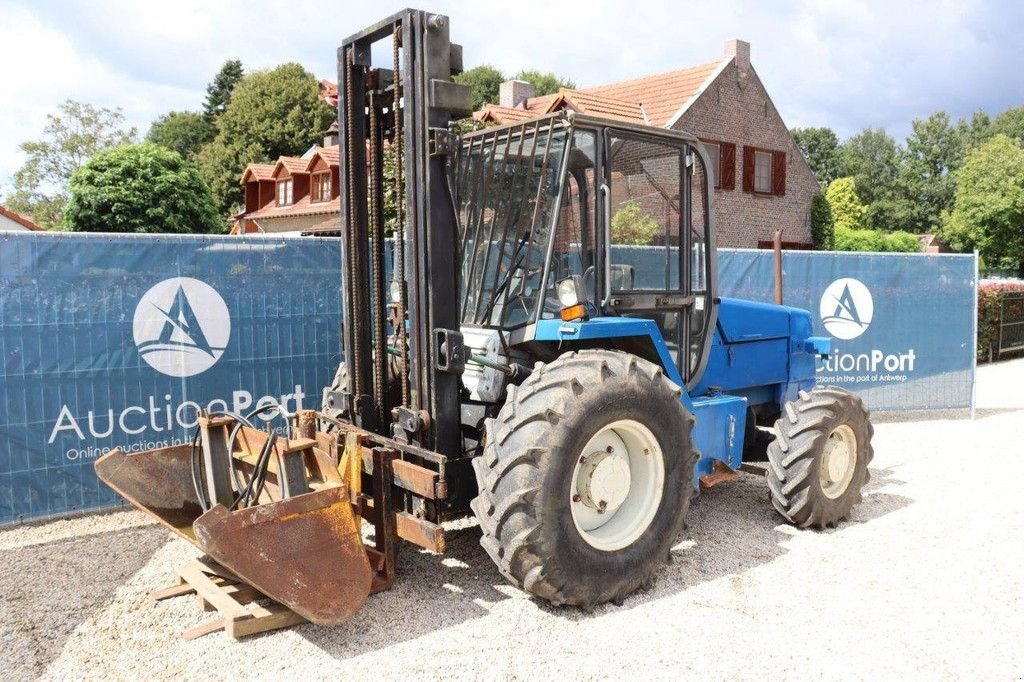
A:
(740, 49)
(514, 93)
(331, 135)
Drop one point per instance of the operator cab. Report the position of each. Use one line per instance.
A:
(615, 217)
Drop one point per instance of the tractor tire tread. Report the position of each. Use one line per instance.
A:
(801, 431)
(512, 465)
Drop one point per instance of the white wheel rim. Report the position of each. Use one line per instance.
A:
(838, 461)
(616, 485)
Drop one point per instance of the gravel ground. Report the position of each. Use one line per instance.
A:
(924, 580)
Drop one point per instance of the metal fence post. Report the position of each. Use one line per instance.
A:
(974, 354)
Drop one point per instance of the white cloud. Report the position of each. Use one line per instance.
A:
(43, 68)
(841, 63)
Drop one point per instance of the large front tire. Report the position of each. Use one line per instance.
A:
(553, 470)
(818, 462)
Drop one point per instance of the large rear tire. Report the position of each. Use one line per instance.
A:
(818, 462)
(586, 478)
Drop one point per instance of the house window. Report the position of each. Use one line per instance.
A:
(763, 172)
(321, 187)
(284, 192)
(715, 152)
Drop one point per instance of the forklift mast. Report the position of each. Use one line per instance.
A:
(405, 331)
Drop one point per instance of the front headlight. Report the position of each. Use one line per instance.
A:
(572, 296)
(569, 291)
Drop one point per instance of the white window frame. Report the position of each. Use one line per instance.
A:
(762, 176)
(284, 192)
(715, 152)
(322, 185)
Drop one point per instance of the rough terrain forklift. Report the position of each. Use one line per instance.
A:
(546, 351)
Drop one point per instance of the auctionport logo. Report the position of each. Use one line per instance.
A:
(846, 308)
(181, 327)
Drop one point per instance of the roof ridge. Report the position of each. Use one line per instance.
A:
(608, 98)
(671, 72)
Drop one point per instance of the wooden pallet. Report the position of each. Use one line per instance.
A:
(222, 591)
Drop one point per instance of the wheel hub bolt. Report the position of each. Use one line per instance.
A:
(575, 498)
(583, 459)
(609, 449)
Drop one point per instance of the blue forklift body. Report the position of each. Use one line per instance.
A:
(760, 354)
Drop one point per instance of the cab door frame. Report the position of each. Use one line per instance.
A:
(681, 300)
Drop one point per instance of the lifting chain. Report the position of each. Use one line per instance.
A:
(375, 190)
(352, 289)
(399, 271)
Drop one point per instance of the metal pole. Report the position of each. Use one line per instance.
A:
(777, 243)
(974, 345)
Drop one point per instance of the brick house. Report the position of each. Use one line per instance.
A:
(15, 222)
(295, 194)
(763, 180)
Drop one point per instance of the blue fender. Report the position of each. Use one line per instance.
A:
(598, 328)
(720, 418)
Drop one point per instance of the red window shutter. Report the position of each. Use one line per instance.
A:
(779, 174)
(727, 165)
(748, 169)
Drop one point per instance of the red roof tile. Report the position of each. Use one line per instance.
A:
(24, 221)
(661, 95)
(258, 171)
(301, 207)
(330, 155)
(329, 93)
(292, 164)
(654, 100)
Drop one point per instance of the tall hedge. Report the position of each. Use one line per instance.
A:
(990, 302)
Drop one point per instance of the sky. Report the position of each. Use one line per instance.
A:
(843, 64)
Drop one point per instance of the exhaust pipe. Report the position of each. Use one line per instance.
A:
(777, 243)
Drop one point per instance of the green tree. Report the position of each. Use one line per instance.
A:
(1010, 123)
(935, 148)
(975, 132)
(218, 92)
(631, 224)
(140, 188)
(872, 159)
(988, 210)
(71, 136)
(820, 147)
(183, 131)
(823, 227)
(893, 210)
(847, 210)
(484, 81)
(272, 113)
(544, 83)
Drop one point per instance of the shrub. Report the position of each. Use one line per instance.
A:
(875, 240)
(900, 242)
(990, 302)
(633, 225)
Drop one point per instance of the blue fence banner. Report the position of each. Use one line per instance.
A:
(117, 341)
(903, 326)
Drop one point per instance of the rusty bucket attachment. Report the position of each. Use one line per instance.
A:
(159, 482)
(305, 552)
(278, 512)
